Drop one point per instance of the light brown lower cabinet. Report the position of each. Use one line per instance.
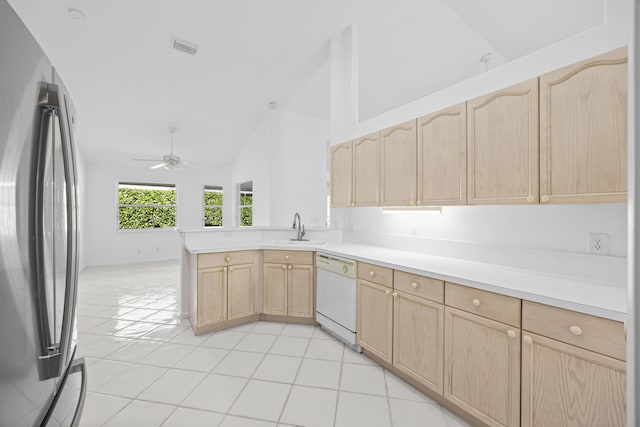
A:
(418, 339)
(240, 287)
(563, 385)
(482, 367)
(375, 319)
(212, 295)
(288, 290)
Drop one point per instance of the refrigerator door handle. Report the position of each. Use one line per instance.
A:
(79, 365)
(50, 355)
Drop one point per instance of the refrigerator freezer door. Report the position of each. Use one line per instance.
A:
(24, 398)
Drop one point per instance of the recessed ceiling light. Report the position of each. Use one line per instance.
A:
(184, 46)
(76, 14)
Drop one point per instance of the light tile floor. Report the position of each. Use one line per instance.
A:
(146, 368)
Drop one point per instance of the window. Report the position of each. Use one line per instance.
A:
(245, 203)
(212, 206)
(146, 205)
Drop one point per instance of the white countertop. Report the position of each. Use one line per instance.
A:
(574, 292)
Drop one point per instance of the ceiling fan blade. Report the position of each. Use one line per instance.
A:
(148, 160)
(159, 165)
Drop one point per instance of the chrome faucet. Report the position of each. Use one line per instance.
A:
(298, 221)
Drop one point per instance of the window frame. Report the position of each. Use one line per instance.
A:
(204, 206)
(145, 184)
(240, 206)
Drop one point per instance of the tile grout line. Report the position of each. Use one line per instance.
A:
(335, 412)
(386, 391)
(294, 377)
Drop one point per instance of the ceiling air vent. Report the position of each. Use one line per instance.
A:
(184, 46)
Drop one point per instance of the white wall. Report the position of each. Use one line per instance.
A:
(299, 169)
(561, 227)
(286, 158)
(106, 245)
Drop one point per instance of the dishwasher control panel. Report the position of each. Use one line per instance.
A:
(337, 265)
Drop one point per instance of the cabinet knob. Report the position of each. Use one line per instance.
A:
(372, 273)
(475, 302)
(227, 258)
(418, 202)
(395, 294)
(511, 333)
(286, 257)
(284, 267)
(575, 330)
(224, 268)
(230, 268)
(387, 292)
(414, 285)
(544, 198)
(527, 339)
(530, 199)
(290, 267)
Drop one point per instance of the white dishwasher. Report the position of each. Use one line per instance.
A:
(336, 297)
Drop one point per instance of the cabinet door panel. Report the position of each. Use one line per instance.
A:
(398, 148)
(240, 288)
(366, 170)
(482, 367)
(212, 295)
(375, 319)
(341, 171)
(583, 131)
(418, 339)
(503, 146)
(563, 385)
(300, 291)
(442, 157)
(274, 289)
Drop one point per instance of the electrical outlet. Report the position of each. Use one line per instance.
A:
(598, 244)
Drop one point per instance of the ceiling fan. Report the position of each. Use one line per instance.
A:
(169, 161)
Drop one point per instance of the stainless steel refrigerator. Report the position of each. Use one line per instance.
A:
(40, 381)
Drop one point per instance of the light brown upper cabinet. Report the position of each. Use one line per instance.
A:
(503, 146)
(398, 167)
(442, 157)
(583, 131)
(341, 170)
(366, 170)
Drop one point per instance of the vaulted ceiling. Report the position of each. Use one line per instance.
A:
(129, 85)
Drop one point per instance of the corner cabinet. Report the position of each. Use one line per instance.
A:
(366, 170)
(583, 131)
(482, 354)
(226, 284)
(398, 167)
(341, 175)
(288, 285)
(573, 369)
(503, 146)
(442, 157)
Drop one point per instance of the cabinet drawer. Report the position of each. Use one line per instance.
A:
(420, 286)
(288, 257)
(376, 274)
(488, 304)
(593, 333)
(225, 258)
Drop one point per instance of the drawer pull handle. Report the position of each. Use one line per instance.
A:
(230, 268)
(414, 285)
(284, 267)
(227, 258)
(575, 330)
(545, 198)
(290, 267)
(527, 339)
(372, 273)
(475, 302)
(387, 292)
(511, 333)
(286, 257)
(395, 294)
(224, 268)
